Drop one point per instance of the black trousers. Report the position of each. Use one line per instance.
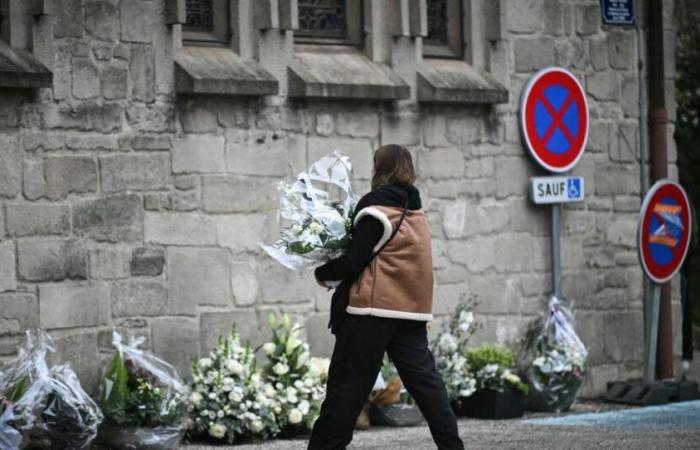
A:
(357, 357)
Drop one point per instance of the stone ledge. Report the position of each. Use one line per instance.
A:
(450, 81)
(20, 69)
(212, 70)
(329, 71)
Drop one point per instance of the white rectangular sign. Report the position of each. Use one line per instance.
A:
(545, 190)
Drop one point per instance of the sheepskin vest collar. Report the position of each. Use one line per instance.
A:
(398, 283)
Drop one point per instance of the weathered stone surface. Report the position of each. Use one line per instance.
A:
(325, 124)
(598, 49)
(151, 117)
(319, 337)
(443, 163)
(80, 348)
(18, 312)
(69, 175)
(27, 219)
(143, 72)
(554, 12)
(533, 53)
(86, 79)
(139, 298)
(263, 154)
(198, 154)
(179, 229)
(137, 19)
(624, 335)
(616, 179)
(108, 263)
(146, 143)
(357, 124)
(110, 218)
(73, 305)
(198, 276)
(402, 129)
(135, 172)
(241, 233)
(84, 116)
(621, 49)
(464, 219)
(33, 181)
(512, 174)
(115, 82)
(8, 278)
(215, 324)
(10, 165)
(100, 20)
(587, 19)
(147, 262)
(524, 16)
(285, 286)
(603, 86)
(359, 150)
(477, 254)
(91, 142)
(176, 340)
(228, 194)
(69, 19)
(244, 283)
(51, 260)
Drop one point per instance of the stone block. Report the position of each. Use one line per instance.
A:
(282, 285)
(622, 230)
(570, 53)
(108, 263)
(101, 20)
(257, 153)
(198, 154)
(597, 377)
(401, 129)
(524, 16)
(137, 19)
(319, 336)
(143, 72)
(229, 194)
(69, 19)
(69, 305)
(616, 179)
(198, 117)
(448, 296)
(198, 276)
(477, 254)
(111, 218)
(324, 124)
(8, 277)
(182, 201)
(627, 148)
(10, 165)
(176, 340)
(244, 283)
(33, 181)
(598, 48)
(496, 294)
(603, 86)
(441, 163)
(360, 152)
(86, 79)
(146, 143)
(624, 336)
(533, 54)
(357, 124)
(629, 100)
(84, 116)
(147, 262)
(465, 130)
(554, 17)
(135, 172)
(480, 168)
(587, 19)
(513, 174)
(622, 49)
(69, 175)
(212, 325)
(51, 260)
(18, 312)
(514, 252)
(92, 142)
(241, 233)
(179, 229)
(115, 82)
(28, 219)
(151, 117)
(139, 298)
(80, 349)
(435, 130)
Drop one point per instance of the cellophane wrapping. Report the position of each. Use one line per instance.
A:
(51, 407)
(142, 397)
(10, 437)
(315, 212)
(556, 359)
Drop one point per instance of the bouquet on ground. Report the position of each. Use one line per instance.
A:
(390, 403)
(298, 378)
(316, 210)
(49, 405)
(10, 437)
(492, 366)
(142, 397)
(229, 401)
(450, 351)
(556, 360)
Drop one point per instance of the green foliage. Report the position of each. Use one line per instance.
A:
(17, 390)
(490, 354)
(114, 389)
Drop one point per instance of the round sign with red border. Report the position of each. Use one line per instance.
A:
(554, 119)
(663, 234)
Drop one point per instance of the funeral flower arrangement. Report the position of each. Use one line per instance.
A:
(142, 397)
(229, 400)
(450, 351)
(49, 405)
(492, 366)
(298, 378)
(556, 359)
(10, 437)
(316, 211)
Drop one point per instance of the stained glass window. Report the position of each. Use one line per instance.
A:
(200, 16)
(323, 18)
(437, 23)
(444, 38)
(207, 22)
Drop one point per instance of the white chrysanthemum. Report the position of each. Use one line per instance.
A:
(234, 367)
(235, 396)
(280, 369)
(217, 431)
(295, 416)
(447, 343)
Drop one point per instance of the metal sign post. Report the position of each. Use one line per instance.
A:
(651, 334)
(556, 250)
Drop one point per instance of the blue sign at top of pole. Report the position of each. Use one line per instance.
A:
(617, 12)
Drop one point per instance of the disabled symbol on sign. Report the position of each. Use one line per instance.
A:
(574, 188)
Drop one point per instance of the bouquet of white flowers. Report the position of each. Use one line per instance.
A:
(556, 360)
(298, 378)
(229, 400)
(450, 349)
(492, 366)
(317, 208)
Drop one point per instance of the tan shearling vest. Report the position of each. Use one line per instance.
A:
(398, 283)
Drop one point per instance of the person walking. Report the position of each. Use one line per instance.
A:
(382, 303)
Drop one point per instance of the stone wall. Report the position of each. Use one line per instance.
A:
(125, 205)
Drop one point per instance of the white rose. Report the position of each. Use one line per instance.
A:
(295, 416)
(256, 425)
(269, 390)
(269, 348)
(234, 367)
(304, 407)
(280, 369)
(217, 431)
(315, 228)
(292, 398)
(235, 396)
(195, 398)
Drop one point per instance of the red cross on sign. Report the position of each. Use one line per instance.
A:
(554, 119)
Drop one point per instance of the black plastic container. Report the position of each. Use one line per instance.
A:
(488, 404)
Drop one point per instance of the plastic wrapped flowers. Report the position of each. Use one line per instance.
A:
(556, 360)
(229, 401)
(49, 405)
(298, 379)
(317, 208)
(450, 351)
(142, 397)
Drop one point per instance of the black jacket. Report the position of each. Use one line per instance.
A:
(364, 236)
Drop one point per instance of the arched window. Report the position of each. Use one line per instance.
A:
(444, 38)
(207, 22)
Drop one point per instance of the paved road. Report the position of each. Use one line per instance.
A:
(675, 426)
